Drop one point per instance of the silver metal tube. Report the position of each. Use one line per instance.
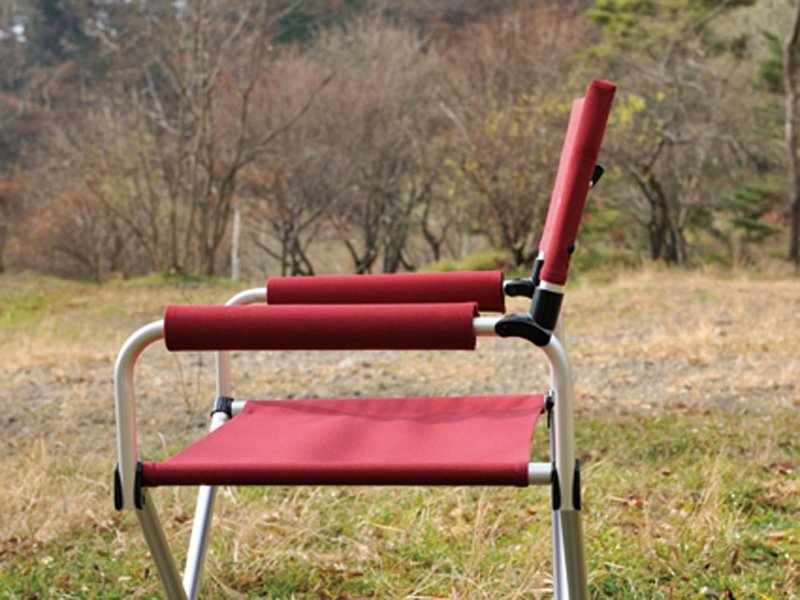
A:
(206, 494)
(251, 296)
(569, 570)
(563, 422)
(559, 330)
(198, 542)
(157, 542)
(551, 287)
(201, 526)
(125, 405)
(573, 568)
(539, 473)
(485, 325)
(560, 587)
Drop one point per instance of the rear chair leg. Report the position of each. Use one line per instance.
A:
(198, 543)
(204, 511)
(157, 542)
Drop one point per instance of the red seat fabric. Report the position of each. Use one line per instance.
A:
(459, 440)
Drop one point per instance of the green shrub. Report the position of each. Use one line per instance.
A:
(486, 260)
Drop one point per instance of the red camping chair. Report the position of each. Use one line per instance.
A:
(459, 440)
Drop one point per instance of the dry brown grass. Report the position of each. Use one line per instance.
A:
(657, 342)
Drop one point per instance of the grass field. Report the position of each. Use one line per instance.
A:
(688, 392)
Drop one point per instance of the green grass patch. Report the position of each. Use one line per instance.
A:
(487, 260)
(675, 506)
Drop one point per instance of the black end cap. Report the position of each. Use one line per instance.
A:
(519, 287)
(117, 489)
(576, 486)
(597, 175)
(522, 325)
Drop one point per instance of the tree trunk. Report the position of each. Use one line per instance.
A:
(5, 217)
(235, 238)
(3, 230)
(790, 50)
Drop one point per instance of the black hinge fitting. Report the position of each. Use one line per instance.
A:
(138, 486)
(117, 489)
(576, 487)
(223, 404)
(522, 325)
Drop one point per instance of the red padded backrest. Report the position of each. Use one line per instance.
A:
(584, 136)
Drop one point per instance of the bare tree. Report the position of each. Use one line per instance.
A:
(385, 113)
(506, 98)
(164, 153)
(791, 48)
(682, 128)
(293, 188)
(9, 208)
(197, 104)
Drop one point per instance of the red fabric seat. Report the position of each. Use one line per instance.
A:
(459, 440)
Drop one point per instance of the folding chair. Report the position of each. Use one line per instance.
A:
(464, 440)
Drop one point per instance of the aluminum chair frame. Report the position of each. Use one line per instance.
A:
(569, 572)
(541, 325)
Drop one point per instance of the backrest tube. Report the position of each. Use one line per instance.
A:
(576, 168)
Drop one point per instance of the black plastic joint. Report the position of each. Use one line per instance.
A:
(576, 487)
(545, 308)
(117, 489)
(536, 272)
(138, 496)
(223, 404)
(549, 403)
(555, 488)
(519, 287)
(522, 325)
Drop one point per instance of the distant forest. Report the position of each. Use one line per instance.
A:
(240, 138)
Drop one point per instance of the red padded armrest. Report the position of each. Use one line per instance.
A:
(483, 287)
(587, 125)
(321, 327)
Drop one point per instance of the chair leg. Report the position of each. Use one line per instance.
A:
(204, 511)
(569, 568)
(198, 543)
(157, 542)
(559, 575)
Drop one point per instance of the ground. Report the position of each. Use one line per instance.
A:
(688, 389)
